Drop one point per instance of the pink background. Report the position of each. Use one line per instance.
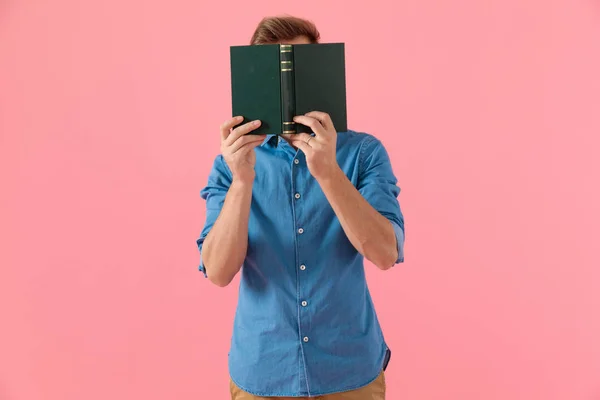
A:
(109, 115)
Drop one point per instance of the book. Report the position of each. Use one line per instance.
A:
(275, 82)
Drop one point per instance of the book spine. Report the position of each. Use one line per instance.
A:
(288, 95)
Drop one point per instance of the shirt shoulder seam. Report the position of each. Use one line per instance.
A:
(363, 148)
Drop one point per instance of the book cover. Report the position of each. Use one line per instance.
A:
(274, 83)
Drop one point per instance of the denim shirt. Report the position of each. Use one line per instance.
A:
(305, 324)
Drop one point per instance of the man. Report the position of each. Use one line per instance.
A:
(301, 216)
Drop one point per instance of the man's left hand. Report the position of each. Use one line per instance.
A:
(320, 149)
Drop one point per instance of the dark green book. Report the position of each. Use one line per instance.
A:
(273, 83)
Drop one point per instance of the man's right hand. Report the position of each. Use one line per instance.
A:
(237, 148)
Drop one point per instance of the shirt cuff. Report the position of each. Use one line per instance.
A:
(399, 231)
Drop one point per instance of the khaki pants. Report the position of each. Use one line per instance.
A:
(374, 391)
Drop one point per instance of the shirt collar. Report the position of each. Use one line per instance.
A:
(270, 139)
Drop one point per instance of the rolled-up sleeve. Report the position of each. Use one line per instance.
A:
(213, 193)
(378, 185)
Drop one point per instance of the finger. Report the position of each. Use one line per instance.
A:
(305, 137)
(241, 131)
(312, 123)
(302, 146)
(227, 125)
(322, 117)
(244, 140)
(249, 146)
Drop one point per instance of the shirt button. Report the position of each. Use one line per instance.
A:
(304, 303)
(302, 267)
(296, 161)
(297, 195)
(301, 231)
(305, 339)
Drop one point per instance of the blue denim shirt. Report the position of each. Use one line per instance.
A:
(305, 324)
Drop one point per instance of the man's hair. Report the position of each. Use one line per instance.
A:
(275, 29)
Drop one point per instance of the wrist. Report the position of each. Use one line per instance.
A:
(242, 184)
(335, 174)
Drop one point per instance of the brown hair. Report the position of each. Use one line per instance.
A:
(280, 28)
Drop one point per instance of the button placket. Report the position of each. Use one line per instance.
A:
(297, 175)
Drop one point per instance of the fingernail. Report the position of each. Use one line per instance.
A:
(256, 122)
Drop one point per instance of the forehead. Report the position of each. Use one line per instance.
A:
(296, 40)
